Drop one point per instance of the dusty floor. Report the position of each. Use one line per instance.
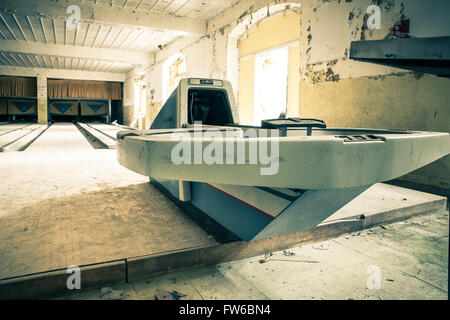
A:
(410, 258)
(59, 163)
(94, 227)
(64, 203)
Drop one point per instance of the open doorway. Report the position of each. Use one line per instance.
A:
(268, 71)
(271, 76)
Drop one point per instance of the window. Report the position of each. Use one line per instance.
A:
(174, 70)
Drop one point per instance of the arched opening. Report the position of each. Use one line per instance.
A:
(263, 62)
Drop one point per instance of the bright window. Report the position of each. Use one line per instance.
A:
(270, 93)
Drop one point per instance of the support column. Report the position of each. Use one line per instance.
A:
(42, 108)
(108, 120)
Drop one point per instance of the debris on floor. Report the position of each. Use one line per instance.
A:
(111, 294)
(166, 295)
(319, 248)
(270, 257)
(266, 257)
(288, 253)
(293, 260)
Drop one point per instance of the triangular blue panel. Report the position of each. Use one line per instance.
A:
(94, 107)
(62, 107)
(24, 106)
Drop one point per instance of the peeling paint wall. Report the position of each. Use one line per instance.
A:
(391, 102)
(203, 58)
(341, 91)
(206, 56)
(347, 93)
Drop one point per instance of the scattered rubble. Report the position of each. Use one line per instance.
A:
(266, 257)
(110, 294)
(269, 257)
(288, 253)
(168, 295)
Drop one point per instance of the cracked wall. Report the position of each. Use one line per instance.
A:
(347, 93)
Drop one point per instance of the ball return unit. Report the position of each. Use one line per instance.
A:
(257, 182)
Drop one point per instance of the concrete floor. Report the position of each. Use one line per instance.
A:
(412, 257)
(64, 203)
(52, 215)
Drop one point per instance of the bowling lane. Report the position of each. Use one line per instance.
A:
(61, 137)
(13, 135)
(6, 128)
(107, 129)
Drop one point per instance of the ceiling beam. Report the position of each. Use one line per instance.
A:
(61, 74)
(58, 50)
(107, 14)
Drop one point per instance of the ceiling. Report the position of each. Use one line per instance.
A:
(201, 9)
(113, 35)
